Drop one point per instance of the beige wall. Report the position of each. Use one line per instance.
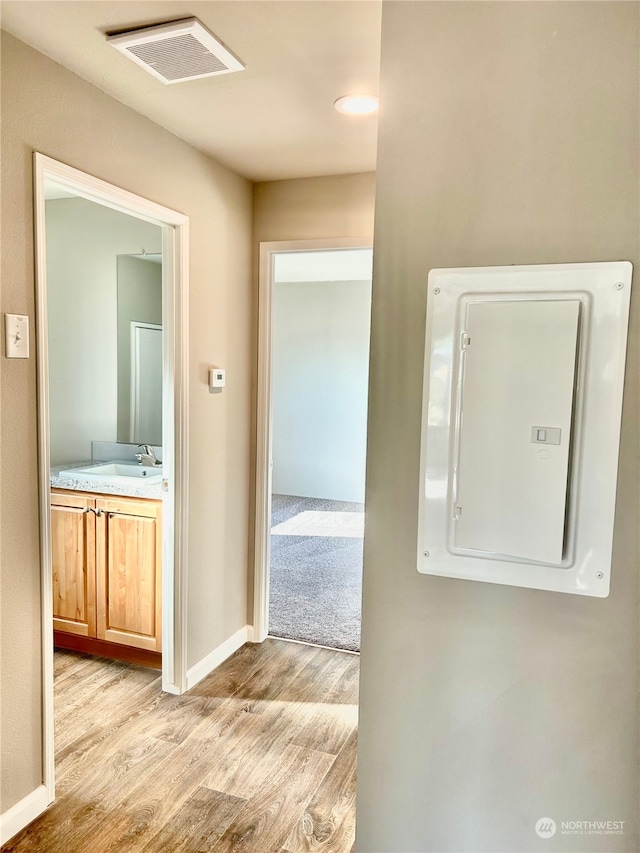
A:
(48, 109)
(314, 208)
(509, 135)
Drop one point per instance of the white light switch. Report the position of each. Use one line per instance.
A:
(546, 435)
(16, 335)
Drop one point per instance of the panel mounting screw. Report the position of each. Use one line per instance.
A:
(599, 575)
(436, 290)
(426, 553)
(619, 285)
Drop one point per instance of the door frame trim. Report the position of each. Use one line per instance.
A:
(175, 423)
(264, 413)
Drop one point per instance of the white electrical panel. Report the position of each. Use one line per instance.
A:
(524, 369)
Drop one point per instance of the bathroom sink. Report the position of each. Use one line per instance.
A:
(115, 472)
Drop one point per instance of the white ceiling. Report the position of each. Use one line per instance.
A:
(272, 121)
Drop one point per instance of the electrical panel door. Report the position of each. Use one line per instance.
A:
(518, 382)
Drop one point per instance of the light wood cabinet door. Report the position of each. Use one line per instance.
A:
(128, 572)
(73, 548)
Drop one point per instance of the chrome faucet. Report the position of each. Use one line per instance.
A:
(147, 456)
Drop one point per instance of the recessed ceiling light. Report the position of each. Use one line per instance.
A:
(357, 105)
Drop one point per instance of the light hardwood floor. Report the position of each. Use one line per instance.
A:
(258, 757)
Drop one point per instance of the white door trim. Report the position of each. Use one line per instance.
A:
(262, 537)
(175, 414)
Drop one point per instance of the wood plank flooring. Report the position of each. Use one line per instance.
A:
(260, 757)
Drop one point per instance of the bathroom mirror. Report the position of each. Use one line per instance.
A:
(140, 348)
(104, 292)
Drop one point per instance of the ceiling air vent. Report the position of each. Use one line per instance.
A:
(182, 50)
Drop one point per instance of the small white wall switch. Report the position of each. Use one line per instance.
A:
(16, 335)
(546, 435)
(217, 377)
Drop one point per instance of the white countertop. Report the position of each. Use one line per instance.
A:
(136, 489)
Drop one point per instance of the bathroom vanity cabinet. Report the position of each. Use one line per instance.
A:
(107, 574)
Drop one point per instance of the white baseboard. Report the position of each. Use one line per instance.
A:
(20, 815)
(201, 669)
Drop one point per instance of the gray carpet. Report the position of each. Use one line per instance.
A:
(316, 581)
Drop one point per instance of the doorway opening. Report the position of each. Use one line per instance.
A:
(313, 391)
(109, 264)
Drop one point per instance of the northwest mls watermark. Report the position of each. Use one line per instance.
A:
(546, 827)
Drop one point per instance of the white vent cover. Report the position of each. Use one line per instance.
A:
(175, 52)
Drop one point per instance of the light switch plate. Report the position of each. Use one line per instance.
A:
(16, 335)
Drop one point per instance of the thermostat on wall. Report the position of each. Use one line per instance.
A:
(216, 377)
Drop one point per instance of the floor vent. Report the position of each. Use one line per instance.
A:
(175, 52)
